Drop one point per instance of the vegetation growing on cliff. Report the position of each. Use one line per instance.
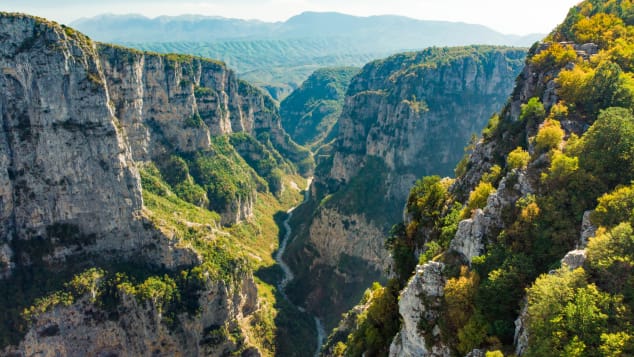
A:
(573, 148)
(310, 113)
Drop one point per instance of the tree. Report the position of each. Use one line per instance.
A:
(607, 148)
(549, 136)
(88, 282)
(459, 294)
(518, 159)
(478, 198)
(159, 291)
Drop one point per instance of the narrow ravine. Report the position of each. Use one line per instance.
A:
(288, 273)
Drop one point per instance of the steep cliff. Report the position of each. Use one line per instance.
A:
(405, 116)
(532, 232)
(135, 163)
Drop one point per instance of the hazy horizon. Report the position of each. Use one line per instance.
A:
(505, 16)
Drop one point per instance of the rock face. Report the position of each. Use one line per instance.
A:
(421, 300)
(77, 116)
(471, 237)
(66, 331)
(404, 117)
(588, 229)
(78, 119)
(63, 158)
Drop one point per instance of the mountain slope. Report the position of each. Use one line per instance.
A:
(280, 56)
(408, 114)
(528, 251)
(310, 113)
(139, 194)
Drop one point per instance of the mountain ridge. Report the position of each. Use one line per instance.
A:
(257, 50)
(311, 18)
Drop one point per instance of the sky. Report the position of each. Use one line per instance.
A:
(506, 16)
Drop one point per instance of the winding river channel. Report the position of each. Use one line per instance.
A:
(288, 273)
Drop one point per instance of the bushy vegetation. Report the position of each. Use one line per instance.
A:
(577, 156)
(376, 326)
(518, 159)
(429, 208)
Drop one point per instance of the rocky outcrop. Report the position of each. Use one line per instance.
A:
(471, 237)
(78, 121)
(77, 116)
(337, 236)
(588, 229)
(420, 304)
(83, 328)
(404, 117)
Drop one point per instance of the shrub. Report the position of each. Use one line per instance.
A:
(493, 175)
(601, 29)
(159, 291)
(607, 148)
(611, 259)
(532, 112)
(518, 159)
(473, 334)
(555, 56)
(561, 168)
(491, 127)
(478, 198)
(377, 326)
(549, 136)
(174, 170)
(614, 207)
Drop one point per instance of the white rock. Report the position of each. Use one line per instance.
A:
(421, 299)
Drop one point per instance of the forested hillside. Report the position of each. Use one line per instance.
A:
(529, 250)
(310, 113)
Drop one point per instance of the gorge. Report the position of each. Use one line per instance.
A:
(152, 204)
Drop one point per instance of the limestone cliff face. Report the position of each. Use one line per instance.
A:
(76, 116)
(160, 99)
(78, 119)
(404, 117)
(421, 300)
(416, 113)
(84, 329)
(63, 158)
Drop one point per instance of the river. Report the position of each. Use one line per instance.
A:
(288, 273)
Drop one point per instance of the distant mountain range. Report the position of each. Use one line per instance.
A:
(278, 56)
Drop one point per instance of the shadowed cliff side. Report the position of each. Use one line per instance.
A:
(403, 116)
